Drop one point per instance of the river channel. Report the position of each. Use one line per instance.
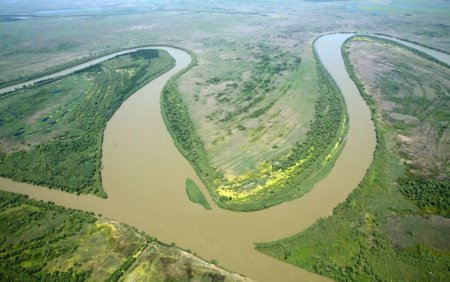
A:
(144, 174)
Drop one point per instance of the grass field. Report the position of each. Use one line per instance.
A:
(378, 234)
(44, 242)
(195, 194)
(52, 134)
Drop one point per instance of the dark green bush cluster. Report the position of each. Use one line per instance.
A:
(432, 196)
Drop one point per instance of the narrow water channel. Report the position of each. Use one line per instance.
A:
(144, 174)
(73, 69)
(443, 57)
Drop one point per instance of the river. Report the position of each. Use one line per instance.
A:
(144, 174)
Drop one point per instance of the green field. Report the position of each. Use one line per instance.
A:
(195, 194)
(52, 133)
(44, 242)
(390, 227)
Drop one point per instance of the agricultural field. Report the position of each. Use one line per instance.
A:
(41, 242)
(52, 133)
(395, 225)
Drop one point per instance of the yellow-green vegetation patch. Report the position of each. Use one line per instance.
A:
(164, 263)
(195, 194)
(19, 214)
(103, 247)
(44, 242)
(52, 133)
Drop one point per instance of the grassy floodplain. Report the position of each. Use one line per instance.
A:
(394, 226)
(279, 179)
(46, 242)
(51, 133)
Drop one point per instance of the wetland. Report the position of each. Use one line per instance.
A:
(239, 110)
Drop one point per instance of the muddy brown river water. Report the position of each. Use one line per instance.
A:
(144, 174)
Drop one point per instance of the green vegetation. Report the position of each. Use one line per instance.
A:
(195, 194)
(280, 179)
(254, 110)
(377, 234)
(44, 242)
(431, 195)
(350, 245)
(52, 133)
(180, 127)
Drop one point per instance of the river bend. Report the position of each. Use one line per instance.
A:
(144, 174)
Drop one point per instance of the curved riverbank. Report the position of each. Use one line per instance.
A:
(144, 176)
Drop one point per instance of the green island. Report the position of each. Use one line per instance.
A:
(52, 133)
(279, 179)
(46, 242)
(393, 226)
(195, 194)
